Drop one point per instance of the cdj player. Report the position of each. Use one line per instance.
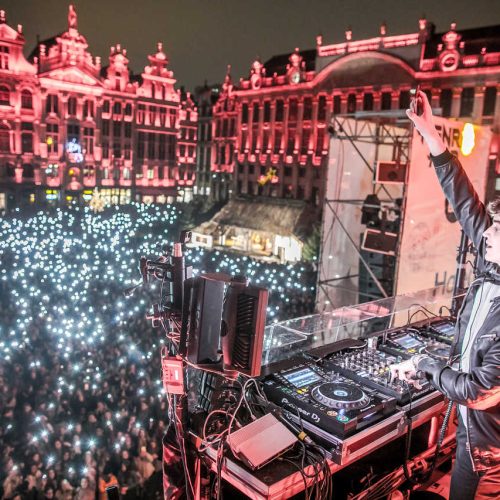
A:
(405, 342)
(442, 330)
(327, 399)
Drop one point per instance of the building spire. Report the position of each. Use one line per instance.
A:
(3, 19)
(72, 18)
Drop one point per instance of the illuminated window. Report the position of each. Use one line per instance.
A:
(72, 106)
(4, 57)
(52, 137)
(52, 104)
(26, 99)
(88, 171)
(4, 95)
(150, 173)
(3, 204)
(105, 173)
(126, 174)
(4, 138)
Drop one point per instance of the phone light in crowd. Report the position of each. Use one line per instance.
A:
(468, 139)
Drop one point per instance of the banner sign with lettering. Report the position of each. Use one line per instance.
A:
(431, 233)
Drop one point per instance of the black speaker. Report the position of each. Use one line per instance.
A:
(381, 242)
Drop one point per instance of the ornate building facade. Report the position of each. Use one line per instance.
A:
(69, 124)
(270, 131)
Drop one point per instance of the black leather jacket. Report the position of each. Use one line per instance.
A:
(478, 390)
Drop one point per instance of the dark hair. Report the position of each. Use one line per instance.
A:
(494, 207)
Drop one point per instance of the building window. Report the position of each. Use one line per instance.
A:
(445, 102)
(255, 114)
(4, 138)
(277, 142)
(244, 139)
(73, 132)
(490, 97)
(162, 147)
(4, 57)
(290, 146)
(52, 104)
(117, 150)
(128, 130)
(306, 136)
(4, 95)
(404, 99)
(151, 146)
(322, 108)
(152, 114)
(128, 109)
(88, 109)
(292, 110)
(126, 174)
(386, 101)
(280, 110)
(52, 170)
(368, 101)
(307, 113)
(88, 139)
(336, 104)
(351, 103)
(105, 106)
(244, 113)
(117, 108)
(52, 137)
(72, 106)
(26, 137)
(267, 111)
(105, 151)
(150, 173)
(88, 171)
(105, 128)
(117, 129)
(319, 141)
(467, 101)
(26, 99)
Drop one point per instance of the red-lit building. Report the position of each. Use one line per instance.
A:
(270, 133)
(69, 125)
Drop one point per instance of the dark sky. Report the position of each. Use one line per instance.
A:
(202, 36)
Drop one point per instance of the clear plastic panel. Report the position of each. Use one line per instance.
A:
(289, 338)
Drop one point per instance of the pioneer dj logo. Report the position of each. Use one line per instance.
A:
(315, 417)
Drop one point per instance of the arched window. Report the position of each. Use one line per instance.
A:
(4, 95)
(4, 138)
(26, 99)
(117, 108)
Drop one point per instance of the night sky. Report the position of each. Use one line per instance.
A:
(202, 36)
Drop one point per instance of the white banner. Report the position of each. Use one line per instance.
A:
(431, 233)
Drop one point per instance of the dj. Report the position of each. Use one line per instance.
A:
(474, 381)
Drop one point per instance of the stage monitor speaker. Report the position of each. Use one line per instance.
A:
(243, 328)
(202, 317)
(390, 172)
(380, 242)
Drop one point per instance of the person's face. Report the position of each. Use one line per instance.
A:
(492, 240)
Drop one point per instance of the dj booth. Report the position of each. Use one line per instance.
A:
(326, 377)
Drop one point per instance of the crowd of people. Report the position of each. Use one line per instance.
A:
(82, 405)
